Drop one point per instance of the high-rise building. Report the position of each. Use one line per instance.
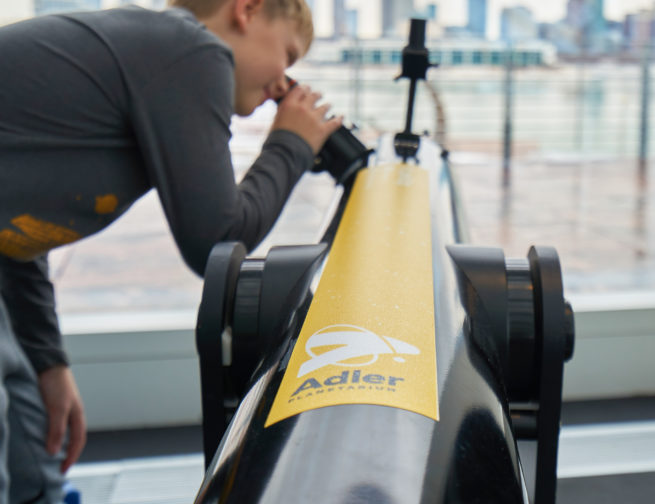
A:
(52, 6)
(588, 18)
(431, 11)
(428, 11)
(561, 35)
(352, 22)
(339, 16)
(395, 13)
(477, 18)
(586, 14)
(517, 23)
(576, 13)
(638, 30)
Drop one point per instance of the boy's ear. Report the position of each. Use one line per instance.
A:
(244, 11)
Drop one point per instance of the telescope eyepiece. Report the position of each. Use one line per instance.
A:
(417, 33)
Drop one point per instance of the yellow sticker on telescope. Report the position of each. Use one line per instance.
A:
(369, 335)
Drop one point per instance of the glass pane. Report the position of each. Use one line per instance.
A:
(553, 149)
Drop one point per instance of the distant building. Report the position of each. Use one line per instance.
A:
(446, 52)
(562, 35)
(429, 12)
(395, 13)
(638, 30)
(576, 13)
(598, 22)
(339, 17)
(587, 17)
(614, 35)
(517, 23)
(352, 22)
(477, 18)
(597, 27)
(52, 6)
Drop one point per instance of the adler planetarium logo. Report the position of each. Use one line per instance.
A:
(351, 346)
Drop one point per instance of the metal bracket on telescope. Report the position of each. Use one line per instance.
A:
(415, 64)
(520, 303)
(221, 275)
(245, 302)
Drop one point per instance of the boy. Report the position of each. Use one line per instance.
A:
(96, 109)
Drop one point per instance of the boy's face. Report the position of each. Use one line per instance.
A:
(261, 58)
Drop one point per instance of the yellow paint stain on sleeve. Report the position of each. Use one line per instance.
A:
(106, 204)
(36, 237)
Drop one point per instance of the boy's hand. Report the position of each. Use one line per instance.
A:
(65, 412)
(298, 113)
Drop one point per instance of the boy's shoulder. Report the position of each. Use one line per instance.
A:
(136, 26)
(142, 37)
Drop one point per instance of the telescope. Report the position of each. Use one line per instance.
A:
(390, 363)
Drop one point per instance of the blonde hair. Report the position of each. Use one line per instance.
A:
(294, 10)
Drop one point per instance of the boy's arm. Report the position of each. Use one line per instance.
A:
(30, 300)
(182, 126)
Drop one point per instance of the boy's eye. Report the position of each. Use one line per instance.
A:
(291, 57)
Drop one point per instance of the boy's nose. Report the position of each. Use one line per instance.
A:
(280, 87)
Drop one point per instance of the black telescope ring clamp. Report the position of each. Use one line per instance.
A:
(555, 340)
(221, 275)
(524, 327)
(245, 304)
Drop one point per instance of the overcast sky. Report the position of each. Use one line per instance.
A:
(451, 12)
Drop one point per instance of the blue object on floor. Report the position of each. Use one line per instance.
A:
(71, 494)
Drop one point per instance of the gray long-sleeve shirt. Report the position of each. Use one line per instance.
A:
(96, 109)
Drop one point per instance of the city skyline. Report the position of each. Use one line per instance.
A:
(455, 12)
(371, 13)
(452, 11)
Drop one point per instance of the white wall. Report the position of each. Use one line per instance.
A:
(141, 370)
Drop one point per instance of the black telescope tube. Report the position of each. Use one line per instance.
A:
(379, 454)
(498, 331)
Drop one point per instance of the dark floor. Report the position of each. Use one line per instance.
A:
(114, 445)
(615, 489)
(633, 409)
(118, 445)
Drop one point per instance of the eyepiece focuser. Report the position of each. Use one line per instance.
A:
(342, 155)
